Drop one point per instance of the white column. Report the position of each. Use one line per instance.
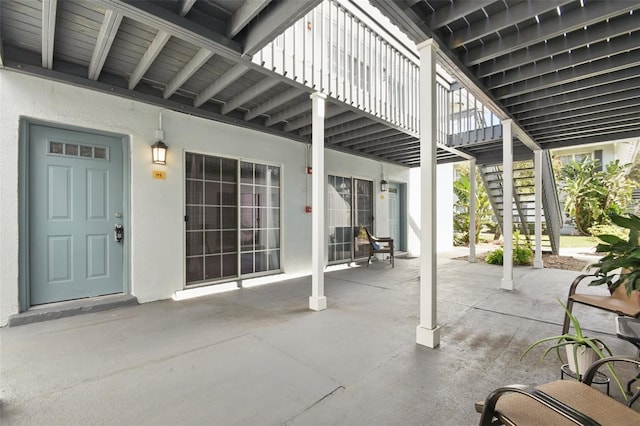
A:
(472, 211)
(507, 206)
(317, 301)
(537, 170)
(428, 332)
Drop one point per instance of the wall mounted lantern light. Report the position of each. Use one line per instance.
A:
(159, 149)
(159, 153)
(384, 185)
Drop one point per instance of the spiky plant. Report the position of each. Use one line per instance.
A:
(576, 339)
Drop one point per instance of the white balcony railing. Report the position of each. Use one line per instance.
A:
(332, 51)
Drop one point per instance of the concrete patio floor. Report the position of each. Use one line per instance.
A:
(259, 356)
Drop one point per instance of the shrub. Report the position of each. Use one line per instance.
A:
(612, 229)
(460, 239)
(592, 193)
(483, 213)
(521, 256)
(495, 257)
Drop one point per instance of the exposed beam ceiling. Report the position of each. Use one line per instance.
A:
(49, 10)
(563, 70)
(243, 16)
(548, 65)
(108, 31)
(274, 22)
(159, 42)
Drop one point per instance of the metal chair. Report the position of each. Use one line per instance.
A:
(629, 329)
(616, 301)
(379, 245)
(562, 402)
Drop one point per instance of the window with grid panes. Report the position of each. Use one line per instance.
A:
(211, 215)
(339, 218)
(350, 206)
(259, 218)
(363, 211)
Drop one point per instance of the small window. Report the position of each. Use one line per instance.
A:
(86, 151)
(100, 153)
(579, 158)
(71, 149)
(55, 147)
(68, 149)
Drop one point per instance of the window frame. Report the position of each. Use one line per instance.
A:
(238, 224)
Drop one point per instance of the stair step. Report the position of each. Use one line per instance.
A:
(522, 207)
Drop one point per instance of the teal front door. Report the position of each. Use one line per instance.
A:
(75, 202)
(394, 215)
(397, 215)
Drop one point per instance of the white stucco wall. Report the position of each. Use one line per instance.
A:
(156, 212)
(608, 151)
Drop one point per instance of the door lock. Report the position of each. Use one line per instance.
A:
(119, 233)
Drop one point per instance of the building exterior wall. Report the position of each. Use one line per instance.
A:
(608, 150)
(157, 249)
(625, 150)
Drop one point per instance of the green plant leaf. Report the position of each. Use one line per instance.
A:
(611, 239)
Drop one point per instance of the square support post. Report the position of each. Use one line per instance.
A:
(537, 171)
(317, 301)
(472, 211)
(428, 332)
(507, 204)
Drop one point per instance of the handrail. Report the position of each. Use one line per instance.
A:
(551, 202)
(492, 200)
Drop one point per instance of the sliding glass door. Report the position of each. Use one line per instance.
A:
(259, 217)
(340, 219)
(363, 212)
(350, 205)
(230, 205)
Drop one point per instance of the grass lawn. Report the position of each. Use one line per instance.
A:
(566, 241)
(569, 241)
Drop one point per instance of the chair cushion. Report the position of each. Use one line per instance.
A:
(626, 306)
(375, 245)
(520, 410)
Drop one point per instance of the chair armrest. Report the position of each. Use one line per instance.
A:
(382, 239)
(489, 409)
(578, 280)
(572, 291)
(588, 376)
